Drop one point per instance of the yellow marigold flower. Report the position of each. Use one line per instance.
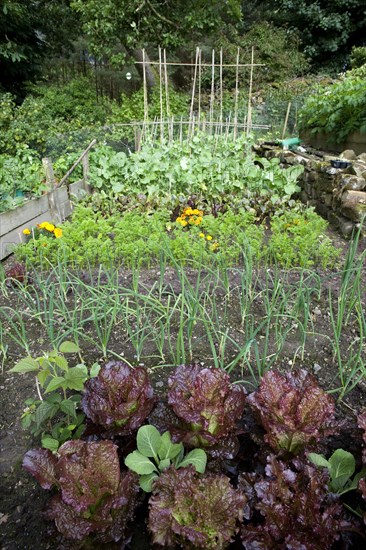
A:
(57, 232)
(198, 220)
(26, 231)
(202, 235)
(50, 227)
(42, 225)
(179, 219)
(188, 211)
(200, 212)
(184, 223)
(209, 238)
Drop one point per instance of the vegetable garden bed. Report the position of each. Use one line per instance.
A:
(202, 319)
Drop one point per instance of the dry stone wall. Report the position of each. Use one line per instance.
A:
(339, 195)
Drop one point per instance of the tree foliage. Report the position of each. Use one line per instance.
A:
(325, 27)
(29, 31)
(135, 23)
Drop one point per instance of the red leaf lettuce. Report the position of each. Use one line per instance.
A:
(194, 511)
(94, 497)
(119, 398)
(207, 404)
(293, 410)
(297, 510)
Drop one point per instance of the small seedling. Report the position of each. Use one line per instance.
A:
(156, 453)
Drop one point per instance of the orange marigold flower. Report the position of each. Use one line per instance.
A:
(57, 232)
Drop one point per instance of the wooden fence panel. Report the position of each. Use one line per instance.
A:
(54, 207)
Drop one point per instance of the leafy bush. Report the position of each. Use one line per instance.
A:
(119, 398)
(55, 415)
(338, 109)
(207, 405)
(293, 409)
(296, 507)
(22, 173)
(194, 511)
(94, 496)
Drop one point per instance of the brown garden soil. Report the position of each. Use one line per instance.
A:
(22, 524)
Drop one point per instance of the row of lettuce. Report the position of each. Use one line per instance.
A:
(243, 454)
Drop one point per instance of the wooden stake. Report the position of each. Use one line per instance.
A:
(50, 175)
(286, 119)
(161, 97)
(194, 85)
(236, 94)
(146, 104)
(249, 119)
(199, 87)
(212, 98)
(221, 89)
(166, 86)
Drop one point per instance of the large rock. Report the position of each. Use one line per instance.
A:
(353, 183)
(348, 154)
(354, 205)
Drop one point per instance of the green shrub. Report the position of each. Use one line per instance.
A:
(337, 109)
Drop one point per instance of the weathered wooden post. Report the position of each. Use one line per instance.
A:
(51, 185)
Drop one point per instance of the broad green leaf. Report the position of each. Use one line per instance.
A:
(50, 443)
(28, 364)
(94, 370)
(54, 398)
(56, 383)
(42, 376)
(197, 458)
(179, 457)
(61, 362)
(147, 480)
(342, 463)
(148, 441)
(318, 460)
(167, 448)
(184, 163)
(139, 463)
(26, 421)
(164, 464)
(353, 485)
(44, 412)
(69, 347)
(75, 377)
(68, 407)
(342, 467)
